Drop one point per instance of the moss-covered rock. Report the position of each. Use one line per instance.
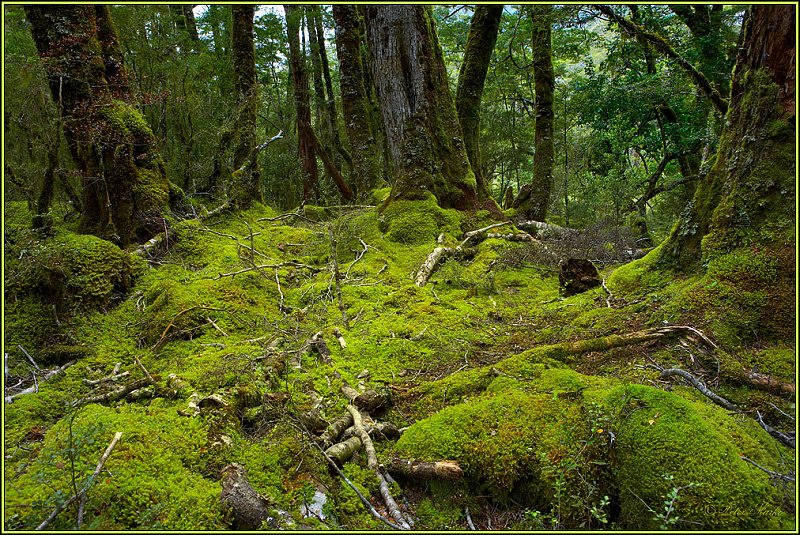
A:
(419, 221)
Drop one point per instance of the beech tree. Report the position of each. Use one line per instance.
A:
(534, 198)
(354, 84)
(426, 149)
(471, 79)
(245, 186)
(124, 183)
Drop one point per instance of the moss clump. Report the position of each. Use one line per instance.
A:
(419, 221)
(72, 271)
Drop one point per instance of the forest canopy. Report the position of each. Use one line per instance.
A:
(523, 266)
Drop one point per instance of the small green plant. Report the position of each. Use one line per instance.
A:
(667, 518)
(599, 511)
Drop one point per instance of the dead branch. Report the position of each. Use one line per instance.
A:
(781, 437)
(359, 256)
(81, 495)
(118, 393)
(722, 402)
(35, 388)
(610, 295)
(480, 233)
(335, 429)
(114, 376)
(163, 340)
(342, 451)
(282, 302)
(372, 463)
(269, 266)
(380, 430)
(469, 519)
(774, 475)
(546, 230)
(449, 470)
(767, 382)
(789, 416)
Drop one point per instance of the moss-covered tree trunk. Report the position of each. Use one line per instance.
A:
(124, 183)
(355, 98)
(533, 199)
(745, 206)
(305, 135)
(423, 135)
(245, 186)
(471, 79)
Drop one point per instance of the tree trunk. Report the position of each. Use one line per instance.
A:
(750, 189)
(125, 188)
(245, 186)
(419, 116)
(322, 120)
(300, 85)
(471, 79)
(355, 98)
(534, 198)
(191, 23)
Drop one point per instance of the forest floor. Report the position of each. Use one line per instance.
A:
(555, 409)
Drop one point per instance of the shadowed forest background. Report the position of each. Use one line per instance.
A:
(399, 267)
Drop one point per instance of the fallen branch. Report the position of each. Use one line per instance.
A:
(722, 402)
(163, 340)
(359, 256)
(448, 470)
(249, 508)
(117, 394)
(480, 233)
(772, 474)
(469, 519)
(372, 463)
(30, 358)
(547, 230)
(766, 382)
(35, 388)
(319, 345)
(342, 451)
(385, 430)
(81, 495)
(335, 429)
(114, 376)
(781, 437)
(269, 266)
(338, 334)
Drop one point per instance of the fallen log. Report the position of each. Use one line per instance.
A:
(448, 470)
(335, 429)
(380, 430)
(248, 508)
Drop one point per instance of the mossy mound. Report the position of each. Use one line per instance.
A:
(561, 439)
(418, 221)
(72, 271)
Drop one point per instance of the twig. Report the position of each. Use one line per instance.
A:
(722, 402)
(469, 519)
(30, 358)
(112, 377)
(282, 301)
(775, 475)
(161, 341)
(118, 393)
(337, 277)
(35, 388)
(610, 295)
(358, 257)
(780, 411)
(781, 437)
(210, 321)
(82, 494)
(269, 266)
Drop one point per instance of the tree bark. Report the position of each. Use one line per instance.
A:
(245, 186)
(749, 192)
(471, 79)
(355, 98)
(423, 135)
(534, 198)
(125, 188)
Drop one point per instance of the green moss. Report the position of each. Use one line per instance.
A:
(414, 222)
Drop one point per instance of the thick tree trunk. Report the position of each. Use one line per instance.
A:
(419, 116)
(749, 193)
(245, 186)
(471, 79)
(355, 98)
(125, 189)
(534, 198)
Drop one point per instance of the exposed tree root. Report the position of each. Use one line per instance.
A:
(719, 400)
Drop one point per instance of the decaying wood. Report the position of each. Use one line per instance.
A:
(114, 376)
(319, 345)
(372, 463)
(35, 388)
(342, 451)
(81, 495)
(766, 382)
(335, 429)
(260, 267)
(380, 430)
(719, 400)
(192, 407)
(449, 470)
(368, 401)
(249, 508)
(338, 334)
(151, 245)
(431, 263)
(546, 230)
(118, 393)
(479, 234)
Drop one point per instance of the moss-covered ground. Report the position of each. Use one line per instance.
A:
(475, 361)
